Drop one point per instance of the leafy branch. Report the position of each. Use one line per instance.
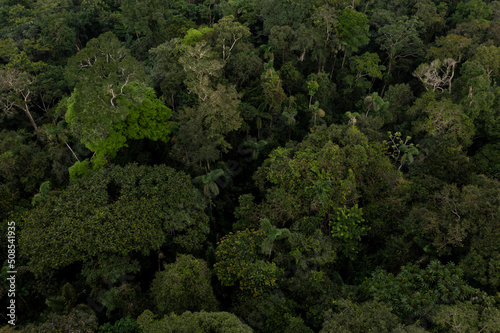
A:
(402, 151)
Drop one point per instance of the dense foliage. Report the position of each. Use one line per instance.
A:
(261, 165)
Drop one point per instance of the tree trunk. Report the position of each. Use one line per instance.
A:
(28, 113)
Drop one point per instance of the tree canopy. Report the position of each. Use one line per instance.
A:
(265, 165)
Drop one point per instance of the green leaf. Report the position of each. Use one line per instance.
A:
(409, 158)
(413, 151)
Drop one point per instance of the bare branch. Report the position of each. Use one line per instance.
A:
(72, 151)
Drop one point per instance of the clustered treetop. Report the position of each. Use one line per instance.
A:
(265, 165)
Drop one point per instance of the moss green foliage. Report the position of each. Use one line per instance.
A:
(415, 293)
(202, 322)
(122, 106)
(193, 36)
(367, 317)
(266, 165)
(352, 29)
(79, 169)
(365, 65)
(124, 325)
(240, 262)
(117, 211)
(183, 286)
(146, 118)
(324, 177)
(346, 226)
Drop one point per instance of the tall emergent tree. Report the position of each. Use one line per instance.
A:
(110, 102)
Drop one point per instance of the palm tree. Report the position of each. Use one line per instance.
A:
(256, 147)
(273, 234)
(210, 187)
